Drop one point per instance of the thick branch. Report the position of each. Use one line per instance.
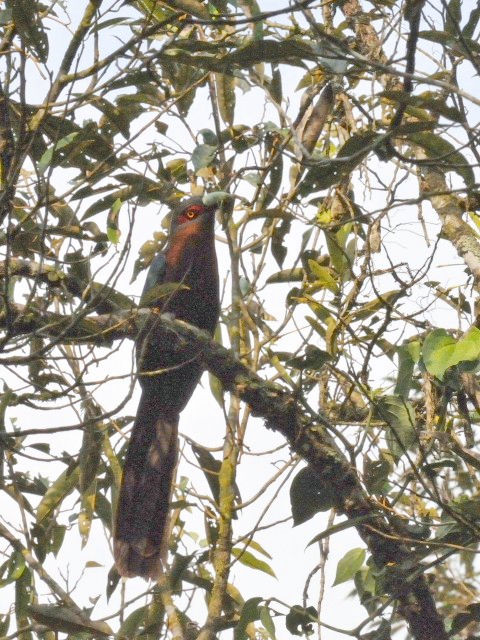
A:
(307, 434)
(451, 212)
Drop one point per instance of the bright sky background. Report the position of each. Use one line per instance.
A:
(203, 421)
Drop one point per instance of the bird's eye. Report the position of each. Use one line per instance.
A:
(192, 212)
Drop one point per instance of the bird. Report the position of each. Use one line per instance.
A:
(167, 378)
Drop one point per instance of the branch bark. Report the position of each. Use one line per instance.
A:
(451, 212)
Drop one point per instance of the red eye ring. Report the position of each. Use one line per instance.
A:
(192, 212)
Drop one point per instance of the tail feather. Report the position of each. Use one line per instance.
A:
(142, 520)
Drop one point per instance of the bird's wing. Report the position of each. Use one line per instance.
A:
(155, 276)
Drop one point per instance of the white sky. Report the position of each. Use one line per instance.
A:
(203, 421)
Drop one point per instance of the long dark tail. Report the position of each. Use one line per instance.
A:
(142, 521)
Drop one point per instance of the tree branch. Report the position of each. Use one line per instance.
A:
(81, 619)
(100, 297)
(307, 434)
(450, 211)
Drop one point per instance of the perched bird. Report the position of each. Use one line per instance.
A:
(168, 379)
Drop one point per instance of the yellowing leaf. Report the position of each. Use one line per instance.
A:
(323, 276)
(226, 96)
(57, 491)
(249, 560)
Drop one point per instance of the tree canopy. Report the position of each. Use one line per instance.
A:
(342, 135)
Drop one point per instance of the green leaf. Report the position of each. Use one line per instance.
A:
(249, 560)
(210, 467)
(203, 156)
(92, 564)
(225, 85)
(271, 183)
(286, 275)
(347, 524)
(155, 293)
(299, 620)
(107, 202)
(98, 26)
(467, 349)
(251, 8)
(437, 350)
(276, 84)
(439, 149)
(400, 417)
(279, 250)
(114, 115)
(258, 547)
(112, 582)
(375, 475)
(46, 158)
(177, 168)
(348, 566)
(23, 594)
(250, 613)
(89, 456)
(133, 623)
(143, 190)
(209, 137)
(29, 25)
(58, 535)
(107, 299)
(408, 355)
(216, 387)
(6, 16)
(16, 567)
(385, 299)
(103, 508)
(441, 464)
(441, 351)
(426, 100)
(313, 358)
(61, 618)
(467, 506)
(85, 517)
(215, 198)
(179, 566)
(113, 231)
(293, 51)
(267, 621)
(324, 277)
(309, 494)
(151, 8)
(336, 247)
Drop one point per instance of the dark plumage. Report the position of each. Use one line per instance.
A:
(142, 521)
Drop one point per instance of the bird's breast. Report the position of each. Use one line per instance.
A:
(196, 268)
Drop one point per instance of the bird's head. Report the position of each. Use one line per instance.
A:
(193, 214)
